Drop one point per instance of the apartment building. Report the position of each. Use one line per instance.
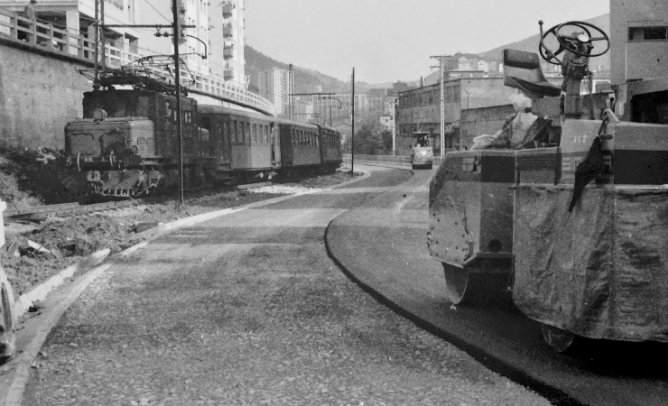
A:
(213, 50)
(275, 85)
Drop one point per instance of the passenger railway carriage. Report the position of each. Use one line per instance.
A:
(245, 144)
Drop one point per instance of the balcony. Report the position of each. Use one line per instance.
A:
(228, 52)
(227, 9)
(228, 74)
(228, 31)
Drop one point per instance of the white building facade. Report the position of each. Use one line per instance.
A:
(212, 50)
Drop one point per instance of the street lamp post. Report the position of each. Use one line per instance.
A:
(441, 60)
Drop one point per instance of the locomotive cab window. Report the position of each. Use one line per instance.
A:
(240, 132)
(238, 138)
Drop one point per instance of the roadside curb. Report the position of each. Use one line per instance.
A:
(40, 292)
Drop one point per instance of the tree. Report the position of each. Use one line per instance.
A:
(371, 139)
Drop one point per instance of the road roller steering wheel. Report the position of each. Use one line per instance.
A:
(572, 43)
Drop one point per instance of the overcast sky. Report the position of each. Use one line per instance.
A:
(391, 40)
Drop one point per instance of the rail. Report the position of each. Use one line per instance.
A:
(61, 41)
(66, 208)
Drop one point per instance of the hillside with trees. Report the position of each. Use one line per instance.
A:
(306, 80)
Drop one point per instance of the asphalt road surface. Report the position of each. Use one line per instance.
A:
(382, 244)
(249, 309)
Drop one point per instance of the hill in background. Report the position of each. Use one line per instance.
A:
(306, 80)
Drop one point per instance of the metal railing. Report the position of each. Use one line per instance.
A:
(42, 34)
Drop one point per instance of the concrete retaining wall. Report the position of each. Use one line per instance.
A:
(40, 92)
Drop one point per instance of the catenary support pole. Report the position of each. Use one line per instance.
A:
(352, 142)
(177, 79)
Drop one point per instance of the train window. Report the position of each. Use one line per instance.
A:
(254, 132)
(143, 104)
(141, 145)
(150, 146)
(237, 131)
(247, 134)
(188, 116)
(206, 123)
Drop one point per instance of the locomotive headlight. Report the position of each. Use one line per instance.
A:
(99, 114)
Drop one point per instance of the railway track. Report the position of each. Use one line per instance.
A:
(66, 208)
(78, 208)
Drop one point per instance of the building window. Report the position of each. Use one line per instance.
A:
(648, 33)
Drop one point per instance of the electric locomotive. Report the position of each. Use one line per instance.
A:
(127, 142)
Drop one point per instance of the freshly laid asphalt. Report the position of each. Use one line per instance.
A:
(390, 259)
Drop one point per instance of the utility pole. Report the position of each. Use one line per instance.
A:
(177, 79)
(441, 60)
(290, 91)
(103, 39)
(96, 38)
(352, 141)
(394, 126)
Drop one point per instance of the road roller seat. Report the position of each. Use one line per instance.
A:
(522, 71)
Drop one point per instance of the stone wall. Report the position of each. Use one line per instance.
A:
(40, 91)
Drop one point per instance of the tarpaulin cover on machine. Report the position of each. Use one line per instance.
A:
(600, 272)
